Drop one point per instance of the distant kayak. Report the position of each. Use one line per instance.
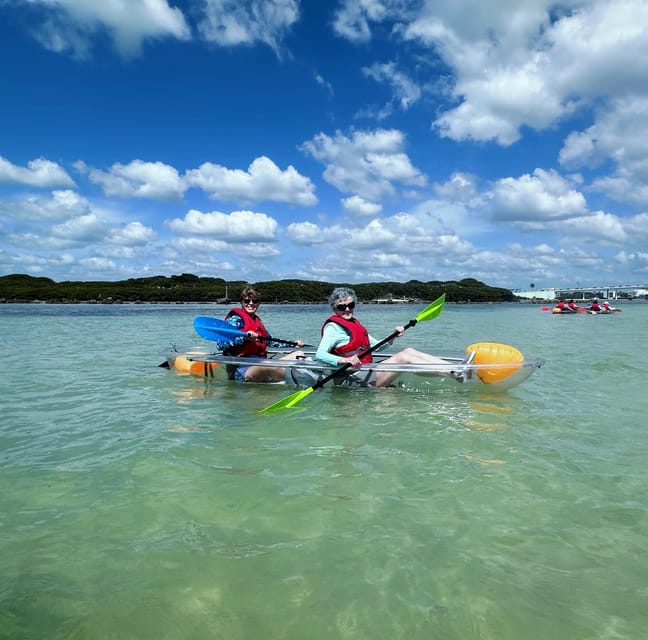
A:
(580, 310)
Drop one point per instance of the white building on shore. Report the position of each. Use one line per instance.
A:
(584, 293)
(536, 294)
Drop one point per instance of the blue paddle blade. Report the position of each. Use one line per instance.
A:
(221, 331)
(215, 329)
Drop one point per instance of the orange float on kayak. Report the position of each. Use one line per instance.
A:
(183, 364)
(495, 353)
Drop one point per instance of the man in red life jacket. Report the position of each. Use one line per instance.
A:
(344, 338)
(246, 319)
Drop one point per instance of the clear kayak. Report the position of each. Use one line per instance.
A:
(497, 365)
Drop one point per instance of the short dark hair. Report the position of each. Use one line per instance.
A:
(250, 292)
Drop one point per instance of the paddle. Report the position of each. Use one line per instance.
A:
(430, 312)
(221, 331)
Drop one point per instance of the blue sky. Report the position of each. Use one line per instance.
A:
(344, 141)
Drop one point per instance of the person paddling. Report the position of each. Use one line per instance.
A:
(245, 318)
(344, 338)
(561, 307)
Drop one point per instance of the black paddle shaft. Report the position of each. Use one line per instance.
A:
(289, 343)
(362, 354)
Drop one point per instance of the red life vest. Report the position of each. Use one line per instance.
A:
(358, 341)
(248, 347)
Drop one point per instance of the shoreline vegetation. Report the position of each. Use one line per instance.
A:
(188, 288)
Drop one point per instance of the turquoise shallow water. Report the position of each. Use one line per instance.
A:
(138, 503)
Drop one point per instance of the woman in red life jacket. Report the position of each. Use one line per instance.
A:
(246, 319)
(344, 338)
(594, 306)
(562, 307)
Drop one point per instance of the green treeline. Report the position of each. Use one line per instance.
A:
(191, 288)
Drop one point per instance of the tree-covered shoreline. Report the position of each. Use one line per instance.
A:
(21, 288)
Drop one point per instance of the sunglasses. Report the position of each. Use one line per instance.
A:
(249, 301)
(344, 307)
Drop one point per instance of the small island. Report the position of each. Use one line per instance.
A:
(184, 288)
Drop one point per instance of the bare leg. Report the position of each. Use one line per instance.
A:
(270, 374)
(408, 356)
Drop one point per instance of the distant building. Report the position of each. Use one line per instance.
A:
(535, 294)
(583, 293)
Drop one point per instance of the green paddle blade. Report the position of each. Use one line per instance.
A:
(288, 401)
(432, 310)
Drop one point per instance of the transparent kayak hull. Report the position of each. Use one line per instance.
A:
(499, 367)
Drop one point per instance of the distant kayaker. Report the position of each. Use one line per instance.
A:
(594, 306)
(572, 305)
(344, 338)
(245, 318)
(561, 307)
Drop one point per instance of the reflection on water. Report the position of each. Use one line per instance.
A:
(483, 461)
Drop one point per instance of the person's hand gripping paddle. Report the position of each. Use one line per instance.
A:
(221, 331)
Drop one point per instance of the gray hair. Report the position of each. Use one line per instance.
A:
(340, 293)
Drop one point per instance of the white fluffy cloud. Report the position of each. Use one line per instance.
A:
(80, 230)
(70, 25)
(361, 208)
(617, 135)
(600, 227)
(263, 180)
(37, 173)
(236, 22)
(139, 179)
(305, 233)
(132, 234)
(369, 163)
(192, 245)
(514, 63)
(66, 220)
(238, 226)
(542, 197)
(403, 233)
(62, 204)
